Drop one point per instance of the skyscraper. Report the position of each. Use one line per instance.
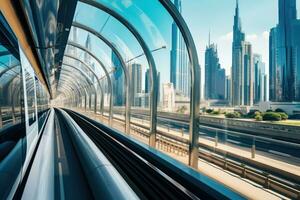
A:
(284, 54)
(168, 101)
(228, 88)
(87, 57)
(118, 81)
(179, 68)
(135, 74)
(214, 75)
(148, 84)
(88, 45)
(259, 79)
(242, 65)
(147, 81)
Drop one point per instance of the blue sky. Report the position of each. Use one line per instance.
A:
(154, 24)
(257, 16)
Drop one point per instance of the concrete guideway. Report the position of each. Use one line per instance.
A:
(240, 185)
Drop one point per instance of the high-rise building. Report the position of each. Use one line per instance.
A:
(214, 74)
(168, 102)
(242, 65)
(228, 88)
(148, 84)
(259, 79)
(179, 63)
(118, 81)
(284, 54)
(221, 78)
(88, 46)
(87, 57)
(135, 74)
(147, 81)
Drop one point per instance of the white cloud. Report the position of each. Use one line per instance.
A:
(265, 35)
(251, 37)
(226, 37)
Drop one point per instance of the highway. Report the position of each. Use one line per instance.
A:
(286, 150)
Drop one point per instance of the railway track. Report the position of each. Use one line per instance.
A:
(148, 177)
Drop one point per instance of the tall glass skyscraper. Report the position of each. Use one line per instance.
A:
(179, 75)
(135, 74)
(214, 75)
(259, 79)
(242, 65)
(118, 77)
(284, 54)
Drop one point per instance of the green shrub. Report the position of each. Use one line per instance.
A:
(283, 115)
(251, 114)
(258, 117)
(182, 109)
(215, 112)
(257, 113)
(269, 110)
(233, 115)
(209, 110)
(279, 110)
(271, 116)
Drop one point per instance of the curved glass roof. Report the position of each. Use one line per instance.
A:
(128, 45)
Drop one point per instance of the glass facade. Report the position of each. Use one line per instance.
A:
(15, 136)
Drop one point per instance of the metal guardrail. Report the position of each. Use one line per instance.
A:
(167, 142)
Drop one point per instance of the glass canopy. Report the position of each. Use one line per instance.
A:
(127, 53)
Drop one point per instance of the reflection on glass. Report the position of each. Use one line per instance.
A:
(30, 97)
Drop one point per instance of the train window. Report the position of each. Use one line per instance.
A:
(30, 97)
(12, 118)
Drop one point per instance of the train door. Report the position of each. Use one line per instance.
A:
(30, 102)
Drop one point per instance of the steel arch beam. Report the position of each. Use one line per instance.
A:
(150, 60)
(94, 73)
(8, 69)
(87, 79)
(66, 90)
(109, 82)
(195, 81)
(123, 65)
(66, 79)
(75, 82)
(71, 86)
(195, 72)
(70, 83)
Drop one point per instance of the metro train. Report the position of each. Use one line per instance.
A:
(24, 106)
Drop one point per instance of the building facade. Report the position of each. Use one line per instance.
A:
(228, 89)
(118, 83)
(168, 102)
(284, 55)
(242, 66)
(214, 75)
(179, 63)
(259, 89)
(135, 74)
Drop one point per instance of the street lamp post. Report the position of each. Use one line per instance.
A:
(162, 47)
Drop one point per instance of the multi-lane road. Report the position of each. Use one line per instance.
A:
(288, 150)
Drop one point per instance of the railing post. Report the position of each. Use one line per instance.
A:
(253, 148)
(216, 139)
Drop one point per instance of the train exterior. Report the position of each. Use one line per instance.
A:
(24, 106)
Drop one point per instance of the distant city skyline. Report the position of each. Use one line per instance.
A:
(256, 25)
